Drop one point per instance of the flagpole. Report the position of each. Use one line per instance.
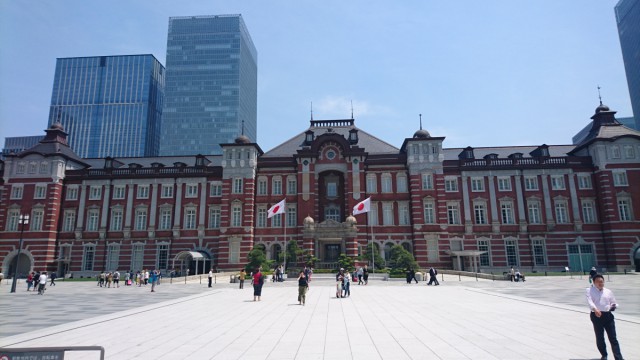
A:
(373, 249)
(284, 268)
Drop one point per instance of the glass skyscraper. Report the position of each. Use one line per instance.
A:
(628, 19)
(109, 105)
(211, 87)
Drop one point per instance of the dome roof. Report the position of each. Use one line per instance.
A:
(308, 220)
(421, 134)
(242, 139)
(351, 220)
(602, 108)
(56, 126)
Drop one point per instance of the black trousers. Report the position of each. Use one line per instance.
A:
(210, 281)
(433, 279)
(606, 323)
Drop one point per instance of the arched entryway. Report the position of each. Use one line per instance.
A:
(191, 263)
(24, 268)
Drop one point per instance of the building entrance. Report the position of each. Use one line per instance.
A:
(25, 266)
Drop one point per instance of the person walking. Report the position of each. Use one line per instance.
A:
(346, 284)
(210, 277)
(153, 277)
(433, 276)
(411, 276)
(242, 275)
(303, 286)
(339, 282)
(365, 275)
(30, 281)
(359, 273)
(258, 281)
(592, 273)
(52, 279)
(512, 274)
(42, 280)
(602, 303)
(116, 279)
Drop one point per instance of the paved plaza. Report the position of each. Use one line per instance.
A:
(543, 318)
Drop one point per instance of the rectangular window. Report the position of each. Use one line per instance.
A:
(402, 183)
(215, 190)
(277, 186)
(40, 192)
(372, 184)
(214, 217)
(427, 181)
(531, 183)
(262, 218)
(189, 218)
(72, 193)
(506, 210)
(429, 213)
(236, 216)
(450, 185)
(13, 220)
(21, 168)
(262, 187)
(141, 220)
(276, 221)
(116, 219)
(165, 219)
(234, 251)
(615, 152)
(88, 257)
(584, 182)
(485, 259)
(118, 192)
(624, 208)
(562, 217)
(332, 189)
(33, 167)
(453, 214)
(137, 257)
(237, 186)
(44, 167)
(629, 152)
(480, 213)
(37, 217)
(92, 220)
(191, 191)
(16, 192)
(143, 192)
(113, 257)
(292, 186)
(511, 248)
(387, 213)
(477, 184)
(588, 212)
(534, 213)
(166, 191)
(372, 215)
(504, 184)
(386, 183)
(403, 214)
(292, 216)
(95, 193)
(538, 252)
(557, 182)
(620, 179)
(69, 222)
(162, 257)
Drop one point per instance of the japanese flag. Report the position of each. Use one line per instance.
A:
(276, 209)
(362, 207)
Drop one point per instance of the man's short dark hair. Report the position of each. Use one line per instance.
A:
(598, 276)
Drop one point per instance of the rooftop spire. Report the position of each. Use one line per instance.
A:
(242, 127)
(312, 111)
(351, 109)
(599, 96)
(420, 121)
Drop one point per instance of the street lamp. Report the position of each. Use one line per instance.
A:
(23, 220)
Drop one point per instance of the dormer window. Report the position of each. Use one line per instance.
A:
(467, 153)
(308, 138)
(156, 165)
(515, 156)
(135, 166)
(353, 136)
(179, 164)
(491, 156)
(108, 162)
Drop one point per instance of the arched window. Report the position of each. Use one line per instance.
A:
(407, 246)
(332, 212)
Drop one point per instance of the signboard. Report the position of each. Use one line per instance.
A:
(6, 354)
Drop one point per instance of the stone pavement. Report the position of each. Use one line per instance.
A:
(543, 318)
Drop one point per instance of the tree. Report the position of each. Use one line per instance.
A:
(401, 259)
(345, 262)
(257, 258)
(309, 260)
(293, 253)
(371, 255)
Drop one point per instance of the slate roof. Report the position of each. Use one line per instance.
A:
(368, 142)
(145, 162)
(504, 151)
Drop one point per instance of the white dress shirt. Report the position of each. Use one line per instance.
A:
(602, 300)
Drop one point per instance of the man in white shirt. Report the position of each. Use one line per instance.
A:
(42, 282)
(210, 277)
(602, 302)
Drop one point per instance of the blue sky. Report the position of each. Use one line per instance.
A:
(482, 73)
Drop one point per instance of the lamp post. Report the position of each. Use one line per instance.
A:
(23, 220)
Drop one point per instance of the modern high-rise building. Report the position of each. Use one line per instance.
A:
(109, 105)
(628, 19)
(211, 85)
(17, 144)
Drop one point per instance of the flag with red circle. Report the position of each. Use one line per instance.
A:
(276, 209)
(362, 207)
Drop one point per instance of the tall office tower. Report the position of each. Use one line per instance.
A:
(628, 18)
(19, 143)
(211, 88)
(109, 105)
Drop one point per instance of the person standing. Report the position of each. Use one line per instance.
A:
(592, 273)
(30, 281)
(339, 283)
(242, 275)
(210, 277)
(365, 275)
(359, 274)
(602, 303)
(42, 280)
(116, 279)
(153, 277)
(433, 276)
(512, 274)
(346, 284)
(258, 281)
(303, 286)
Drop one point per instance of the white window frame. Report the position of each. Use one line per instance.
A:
(191, 191)
(429, 207)
(504, 183)
(276, 185)
(584, 182)
(69, 220)
(261, 221)
(588, 208)
(624, 209)
(558, 183)
(165, 218)
(372, 183)
(387, 213)
(72, 193)
(262, 188)
(93, 220)
(292, 186)
(534, 212)
(237, 186)
(561, 211)
(453, 213)
(401, 183)
(386, 184)
(17, 191)
(142, 192)
(119, 192)
(141, 219)
(117, 219)
(95, 192)
(40, 191)
(480, 213)
(190, 218)
(404, 215)
(13, 219)
(37, 219)
(477, 184)
(215, 216)
(450, 184)
(236, 215)
(506, 213)
(216, 189)
(166, 191)
(620, 178)
(427, 181)
(531, 183)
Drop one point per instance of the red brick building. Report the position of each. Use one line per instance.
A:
(532, 207)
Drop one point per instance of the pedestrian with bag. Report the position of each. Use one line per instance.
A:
(258, 281)
(303, 286)
(603, 303)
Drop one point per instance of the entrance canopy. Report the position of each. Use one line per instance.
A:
(473, 255)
